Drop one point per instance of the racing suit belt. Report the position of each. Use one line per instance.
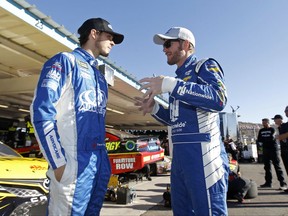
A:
(183, 138)
(92, 147)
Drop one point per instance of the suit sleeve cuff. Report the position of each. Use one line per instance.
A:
(168, 84)
(155, 109)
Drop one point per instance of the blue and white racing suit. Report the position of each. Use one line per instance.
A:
(68, 114)
(199, 175)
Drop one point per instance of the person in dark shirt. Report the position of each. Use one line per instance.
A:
(284, 134)
(283, 128)
(271, 152)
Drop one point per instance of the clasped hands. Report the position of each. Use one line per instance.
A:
(153, 86)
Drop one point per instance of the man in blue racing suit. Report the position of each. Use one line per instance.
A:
(68, 113)
(199, 175)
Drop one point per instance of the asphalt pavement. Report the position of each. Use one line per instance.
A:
(149, 200)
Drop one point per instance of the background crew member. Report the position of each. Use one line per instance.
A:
(283, 128)
(284, 135)
(237, 185)
(271, 152)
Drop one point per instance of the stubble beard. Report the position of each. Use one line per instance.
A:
(176, 56)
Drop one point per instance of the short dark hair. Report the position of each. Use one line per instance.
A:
(84, 37)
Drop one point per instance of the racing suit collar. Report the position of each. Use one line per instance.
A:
(89, 58)
(190, 60)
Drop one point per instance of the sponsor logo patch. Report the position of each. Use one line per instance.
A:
(187, 73)
(89, 103)
(183, 90)
(221, 84)
(53, 145)
(179, 125)
(54, 74)
(214, 68)
(83, 64)
(85, 75)
(110, 146)
(37, 167)
(47, 83)
(187, 78)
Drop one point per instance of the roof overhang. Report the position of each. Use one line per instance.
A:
(27, 39)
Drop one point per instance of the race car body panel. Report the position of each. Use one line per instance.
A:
(128, 153)
(24, 187)
(22, 168)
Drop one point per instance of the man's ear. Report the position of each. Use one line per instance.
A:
(186, 44)
(94, 33)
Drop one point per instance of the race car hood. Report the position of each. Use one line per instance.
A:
(22, 168)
